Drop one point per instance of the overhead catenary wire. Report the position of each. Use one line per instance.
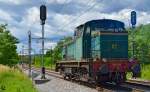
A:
(62, 8)
(79, 16)
(44, 2)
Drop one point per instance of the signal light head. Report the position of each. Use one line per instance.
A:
(43, 12)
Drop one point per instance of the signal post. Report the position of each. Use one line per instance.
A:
(43, 18)
(133, 22)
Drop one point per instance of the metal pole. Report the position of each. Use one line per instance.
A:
(29, 52)
(133, 40)
(51, 57)
(43, 18)
(23, 54)
(43, 68)
(20, 58)
(42, 45)
(34, 56)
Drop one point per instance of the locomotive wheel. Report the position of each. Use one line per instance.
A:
(60, 71)
(98, 81)
(67, 77)
(102, 78)
(119, 77)
(124, 77)
(64, 76)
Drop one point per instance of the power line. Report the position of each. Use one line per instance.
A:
(44, 2)
(68, 0)
(62, 8)
(75, 19)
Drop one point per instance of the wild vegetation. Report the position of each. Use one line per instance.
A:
(8, 53)
(141, 40)
(141, 36)
(12, 80)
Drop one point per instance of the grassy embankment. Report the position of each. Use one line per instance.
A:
(145, 72)
(12, 80)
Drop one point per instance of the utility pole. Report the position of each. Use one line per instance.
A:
(51, 57)
(20, 56)
(29, 52)
(43, 18)
(22, 53)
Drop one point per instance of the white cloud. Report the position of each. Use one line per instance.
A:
(31, 17)
(30, 21)
(58, 1)
(16, 2)
(62, 21)
(5, 16)
(143, 18)
(49, 45)
(123, 15)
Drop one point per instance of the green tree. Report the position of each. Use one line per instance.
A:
(58, 49)
(49, 53)
(55, 54)
(141, 42)
(8, 53)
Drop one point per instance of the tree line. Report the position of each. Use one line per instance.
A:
(8, 53)
(140, 36)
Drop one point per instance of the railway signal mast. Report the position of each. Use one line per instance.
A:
(43, 18)
(133, 22)
(29, 52)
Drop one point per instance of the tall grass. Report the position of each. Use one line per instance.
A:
(145, 72)
(12, 80)
(4, 68)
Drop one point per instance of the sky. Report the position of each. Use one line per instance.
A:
(63, 16)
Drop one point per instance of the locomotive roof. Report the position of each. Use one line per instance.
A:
(104, 23)
(100, 23)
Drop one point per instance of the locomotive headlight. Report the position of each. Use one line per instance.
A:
(104, 59)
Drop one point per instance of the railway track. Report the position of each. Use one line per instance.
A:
(140, 85)
(128, 86)
(144, 82)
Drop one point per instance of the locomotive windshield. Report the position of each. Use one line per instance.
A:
(97, 31)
